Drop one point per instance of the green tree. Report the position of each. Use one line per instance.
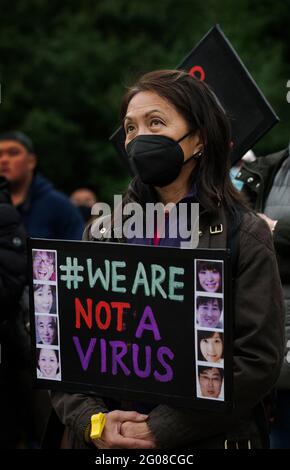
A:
(64, 66)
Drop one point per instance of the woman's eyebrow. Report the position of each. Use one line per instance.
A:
(129, 118)
(159, 111)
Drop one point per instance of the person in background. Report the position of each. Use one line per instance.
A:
(236, 168)
(266, 183)
(14, 337)
(46, 212)
(84, 199)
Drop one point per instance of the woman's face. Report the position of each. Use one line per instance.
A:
(43, 299)
(46, 329)
(48, 363)
(212, 348)
(149, 113)
(43, 266)
(209, 279)
(208, 313)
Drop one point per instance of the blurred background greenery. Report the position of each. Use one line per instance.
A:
(64, 66)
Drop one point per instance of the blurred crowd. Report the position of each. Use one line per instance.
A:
(29, 206)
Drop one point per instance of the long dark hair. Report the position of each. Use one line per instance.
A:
(195, 101)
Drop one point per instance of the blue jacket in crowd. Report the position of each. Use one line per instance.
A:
(47, 213)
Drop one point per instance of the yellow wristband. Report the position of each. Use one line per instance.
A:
(98, 422)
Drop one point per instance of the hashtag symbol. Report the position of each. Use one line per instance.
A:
(72, 270)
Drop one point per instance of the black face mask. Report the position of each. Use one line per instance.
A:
(157, 159)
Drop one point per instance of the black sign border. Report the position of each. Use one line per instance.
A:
(127, 394)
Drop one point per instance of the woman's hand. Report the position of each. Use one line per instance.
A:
(137, 430)
(112, 438)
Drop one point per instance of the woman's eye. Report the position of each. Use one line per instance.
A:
(129, 129)
(156, 122)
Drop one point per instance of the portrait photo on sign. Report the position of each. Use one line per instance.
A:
(209, 312)
(210, 382)
(46, 327)
(44, 298)
(209, 276)
(44, 265)
(210, 346)
(48, 364)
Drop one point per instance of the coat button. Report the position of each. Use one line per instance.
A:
(250, 179)
(17, 242)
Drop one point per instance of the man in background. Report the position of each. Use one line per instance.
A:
(46, 213)
(84, 199)
(14, 337)
(266, 183)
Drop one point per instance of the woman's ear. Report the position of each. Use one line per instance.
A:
(199, 142)
(196, 142)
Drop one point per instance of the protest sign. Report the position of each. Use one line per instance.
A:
(131, 321)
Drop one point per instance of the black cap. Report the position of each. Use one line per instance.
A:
(20, 137)
(215, 61)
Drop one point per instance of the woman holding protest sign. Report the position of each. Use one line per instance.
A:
(178, 139)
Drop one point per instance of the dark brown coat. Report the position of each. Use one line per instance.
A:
(258, 354)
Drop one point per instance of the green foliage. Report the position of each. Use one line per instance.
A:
(64, 66)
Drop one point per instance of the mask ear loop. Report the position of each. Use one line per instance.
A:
(195, 156)
(184, 137)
